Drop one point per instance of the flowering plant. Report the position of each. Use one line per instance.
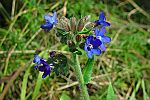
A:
(79, 35)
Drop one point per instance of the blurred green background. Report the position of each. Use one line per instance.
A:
(126, 62)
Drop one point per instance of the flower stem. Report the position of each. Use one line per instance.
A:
(79, 76)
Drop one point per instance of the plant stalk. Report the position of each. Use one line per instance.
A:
(80, 79)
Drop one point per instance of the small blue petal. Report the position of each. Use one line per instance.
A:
(102, 16)
(51, 19)
(90, 54)
(46, 72)
(105, 23)
(96, 51)
(44, 63)
(100, 32)
(85, 47)
(47, 26)
(48, 18)
(96, 43)
(106, 39)
(48, 68)
(41, 68)
(54, 20)
(89, 38)
(96, 31)
(102, 46)
(102, 20)
(36, 59)
(44, 75)
(54, 15)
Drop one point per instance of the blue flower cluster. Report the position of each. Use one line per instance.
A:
(42, 65)
(96, 44)
(50, 21)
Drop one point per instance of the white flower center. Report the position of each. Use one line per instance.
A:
(90, 46)
(99, 37)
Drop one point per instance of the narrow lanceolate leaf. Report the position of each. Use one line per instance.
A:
(84, 32)
(110, 93)
(87, 72)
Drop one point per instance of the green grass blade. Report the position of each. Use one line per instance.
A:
(144, 90)
(110, 93)
(4, 13)
(24, 84)
(65, 97)
(87, 72)
(38, 86)
(135, 90)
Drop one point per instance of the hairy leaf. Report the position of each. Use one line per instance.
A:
(87, 72)
(110, 93)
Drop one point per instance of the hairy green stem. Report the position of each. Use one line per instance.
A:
(79, 76)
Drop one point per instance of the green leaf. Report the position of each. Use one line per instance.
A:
(38, 86)
(61, 32)
(84, 32)
(110, 93)
(133, 95)
(63, 35)
(24, 84)
(87, 72)
(144, 90)
(64, 97)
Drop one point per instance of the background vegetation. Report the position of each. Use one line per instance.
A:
(126, 63)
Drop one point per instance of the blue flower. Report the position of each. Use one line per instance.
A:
(37, 60)
(50, 21)
(92, 46)
(102, 20)
(46, 68)
(100, 35)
